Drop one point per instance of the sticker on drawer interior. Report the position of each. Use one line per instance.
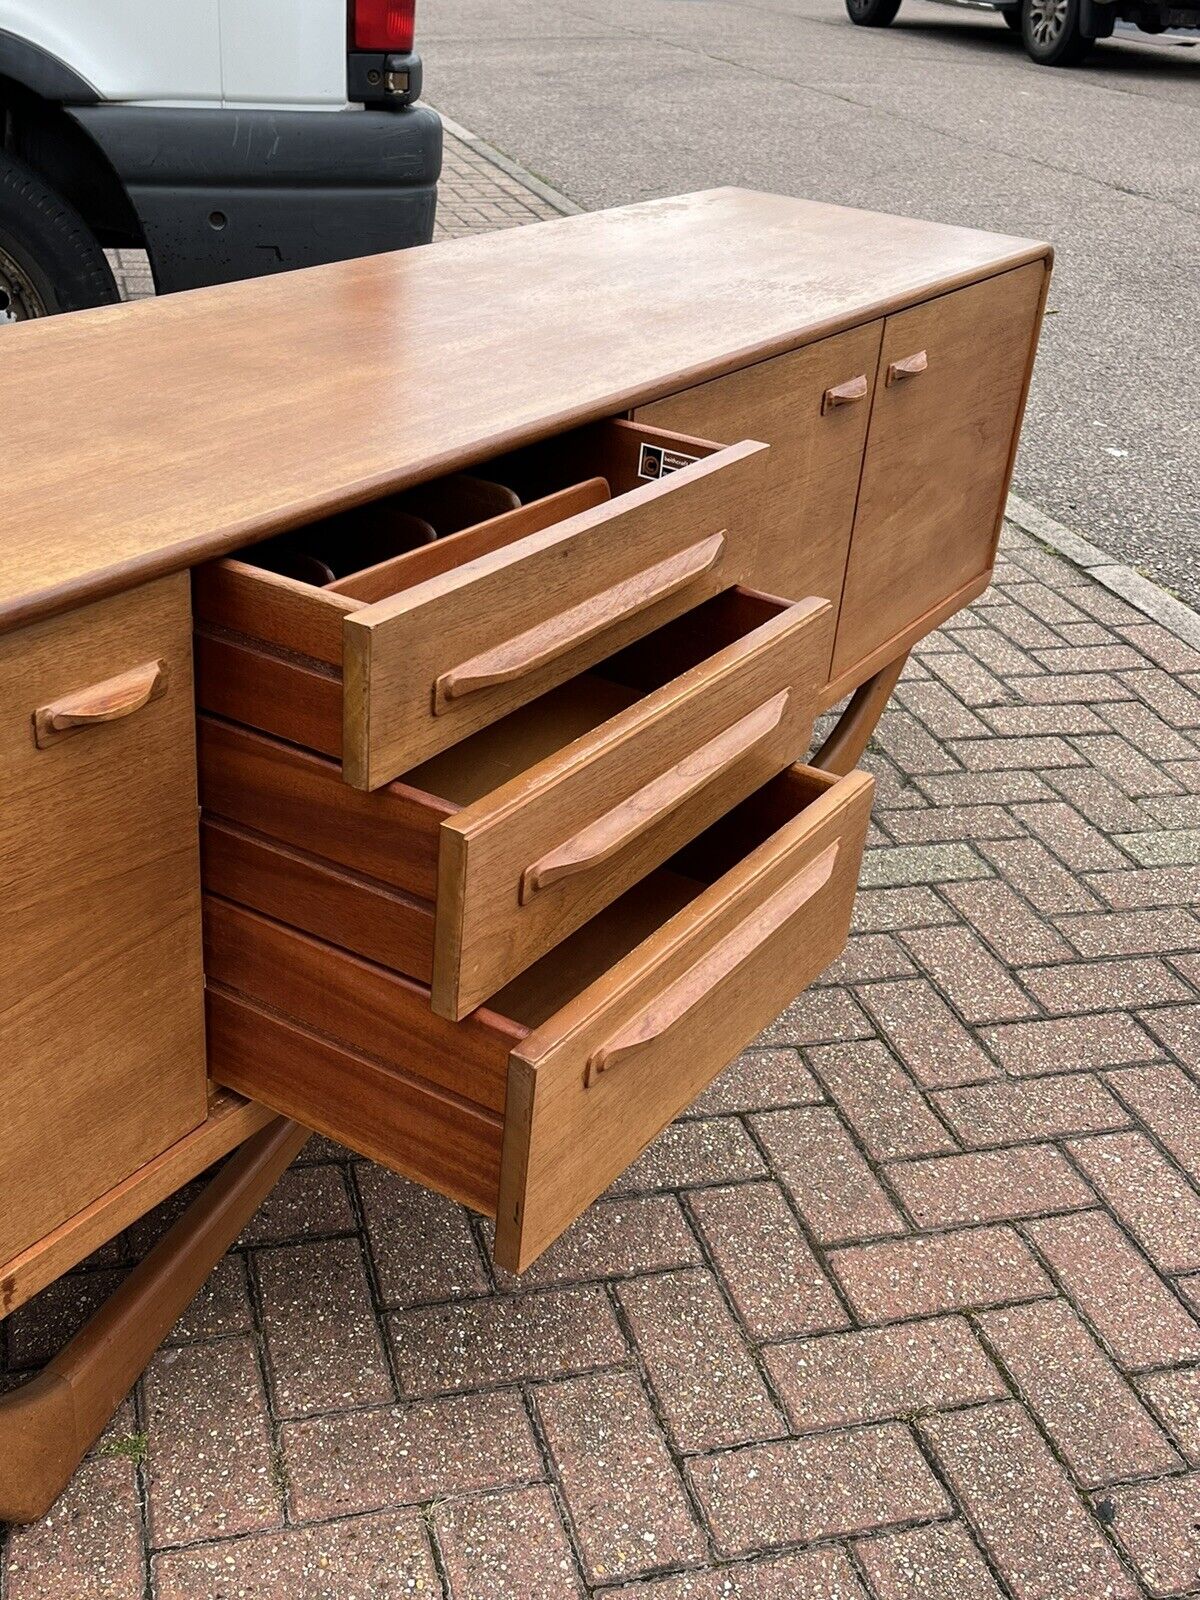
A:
(655, 461)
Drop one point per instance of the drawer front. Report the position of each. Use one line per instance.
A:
(811, 406)
(947, 407)
(441, 660)
(524, 867)
(591, 1087)
(101, 1012)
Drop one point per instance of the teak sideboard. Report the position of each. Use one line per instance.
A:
(403, 665)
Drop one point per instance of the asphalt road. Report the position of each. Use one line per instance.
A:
(940, 116)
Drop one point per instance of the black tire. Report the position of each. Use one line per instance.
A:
(50, 261)
(1012, 18)
(1051, 33)
(872, 13)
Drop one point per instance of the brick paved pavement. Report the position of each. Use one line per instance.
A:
(905, 1308)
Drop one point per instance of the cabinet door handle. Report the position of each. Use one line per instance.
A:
(845, 394)
(103, 702)
(907, 368)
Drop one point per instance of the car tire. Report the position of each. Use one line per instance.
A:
(1012, 18)
(50, 261)
(872, 13)
(1051, 33)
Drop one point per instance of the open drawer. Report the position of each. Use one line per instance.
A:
(489, 854)
(609, 532)
(530, 1109)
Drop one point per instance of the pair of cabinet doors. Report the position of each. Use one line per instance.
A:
(891, 448)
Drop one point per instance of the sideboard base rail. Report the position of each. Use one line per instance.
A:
(49, 1424)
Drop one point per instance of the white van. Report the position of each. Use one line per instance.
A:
(226, 138)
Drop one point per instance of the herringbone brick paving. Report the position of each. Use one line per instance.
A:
(905, 1308)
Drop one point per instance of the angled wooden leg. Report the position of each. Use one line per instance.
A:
(49, 1424)
(843, 749)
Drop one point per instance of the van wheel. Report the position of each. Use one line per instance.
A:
(1051, 32)
(872, 13)
(50, 261)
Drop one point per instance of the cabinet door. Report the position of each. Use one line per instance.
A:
(101, 1005)
(811, 406)
(948, 397)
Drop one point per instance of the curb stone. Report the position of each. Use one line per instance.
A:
(552, 197)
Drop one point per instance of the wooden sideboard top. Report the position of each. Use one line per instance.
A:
(143, 438)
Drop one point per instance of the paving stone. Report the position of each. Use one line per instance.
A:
(1069, 1044)
(88, 1546)
(974, 982)
(768, 1271)
(1104, 805)
(1164, 693)
(1016, 933)
(988, 1186)
(1159, 1526)
(819, 1016)
(889, 909)
(306, 1203)
(1179, 1029)
(42, 1326)
(629, 1509)
(1111, 1284)
(836, 1193)
(359, 1461)
(941, 712)
(1166, 1101)
(867, 958)
(823, 1574)
(421, 1243)
(209, 1466)
(1041, 1538)
(384, 1557)
(1132, 933)
(709, 1391)
(1164, 847)
(973, 1267)
(1009, 755)
(880, 1101)
(983, 788)
(939, 1562)
(1059, 688)
(926, 1035)
(1093, 1417)
(970, 681)
(691, 1152)
(1029, 867)
(476, 1344)
(1101, 985)
(912, 864)
(881, 1374)
(323, 1346)
(1102, 658)
(758, 1079)
(1163, 647)
(1147, 731)
(1032, 1108)
(1031, 721)
(910, 745)
(946, 824)
(803, 1489)
(1188, 967)
(1148, 1195)
(505, 1547)
(1076, 843)
(612, 1239)
(1137, 888)
(1174, 1397)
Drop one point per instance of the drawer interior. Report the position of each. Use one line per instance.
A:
(380, 549)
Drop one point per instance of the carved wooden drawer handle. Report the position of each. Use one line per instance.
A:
(517, 658)
(645, 809)
(907, 368)
(691, 988)
(845, 394)
(103, 702)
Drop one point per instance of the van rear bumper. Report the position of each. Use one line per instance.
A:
(224, 194)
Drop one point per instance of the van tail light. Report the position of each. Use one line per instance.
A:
(383, 25)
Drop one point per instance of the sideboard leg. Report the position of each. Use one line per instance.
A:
(843, 749)
(49, 1424)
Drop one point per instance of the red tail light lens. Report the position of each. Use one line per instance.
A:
(383, 25)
